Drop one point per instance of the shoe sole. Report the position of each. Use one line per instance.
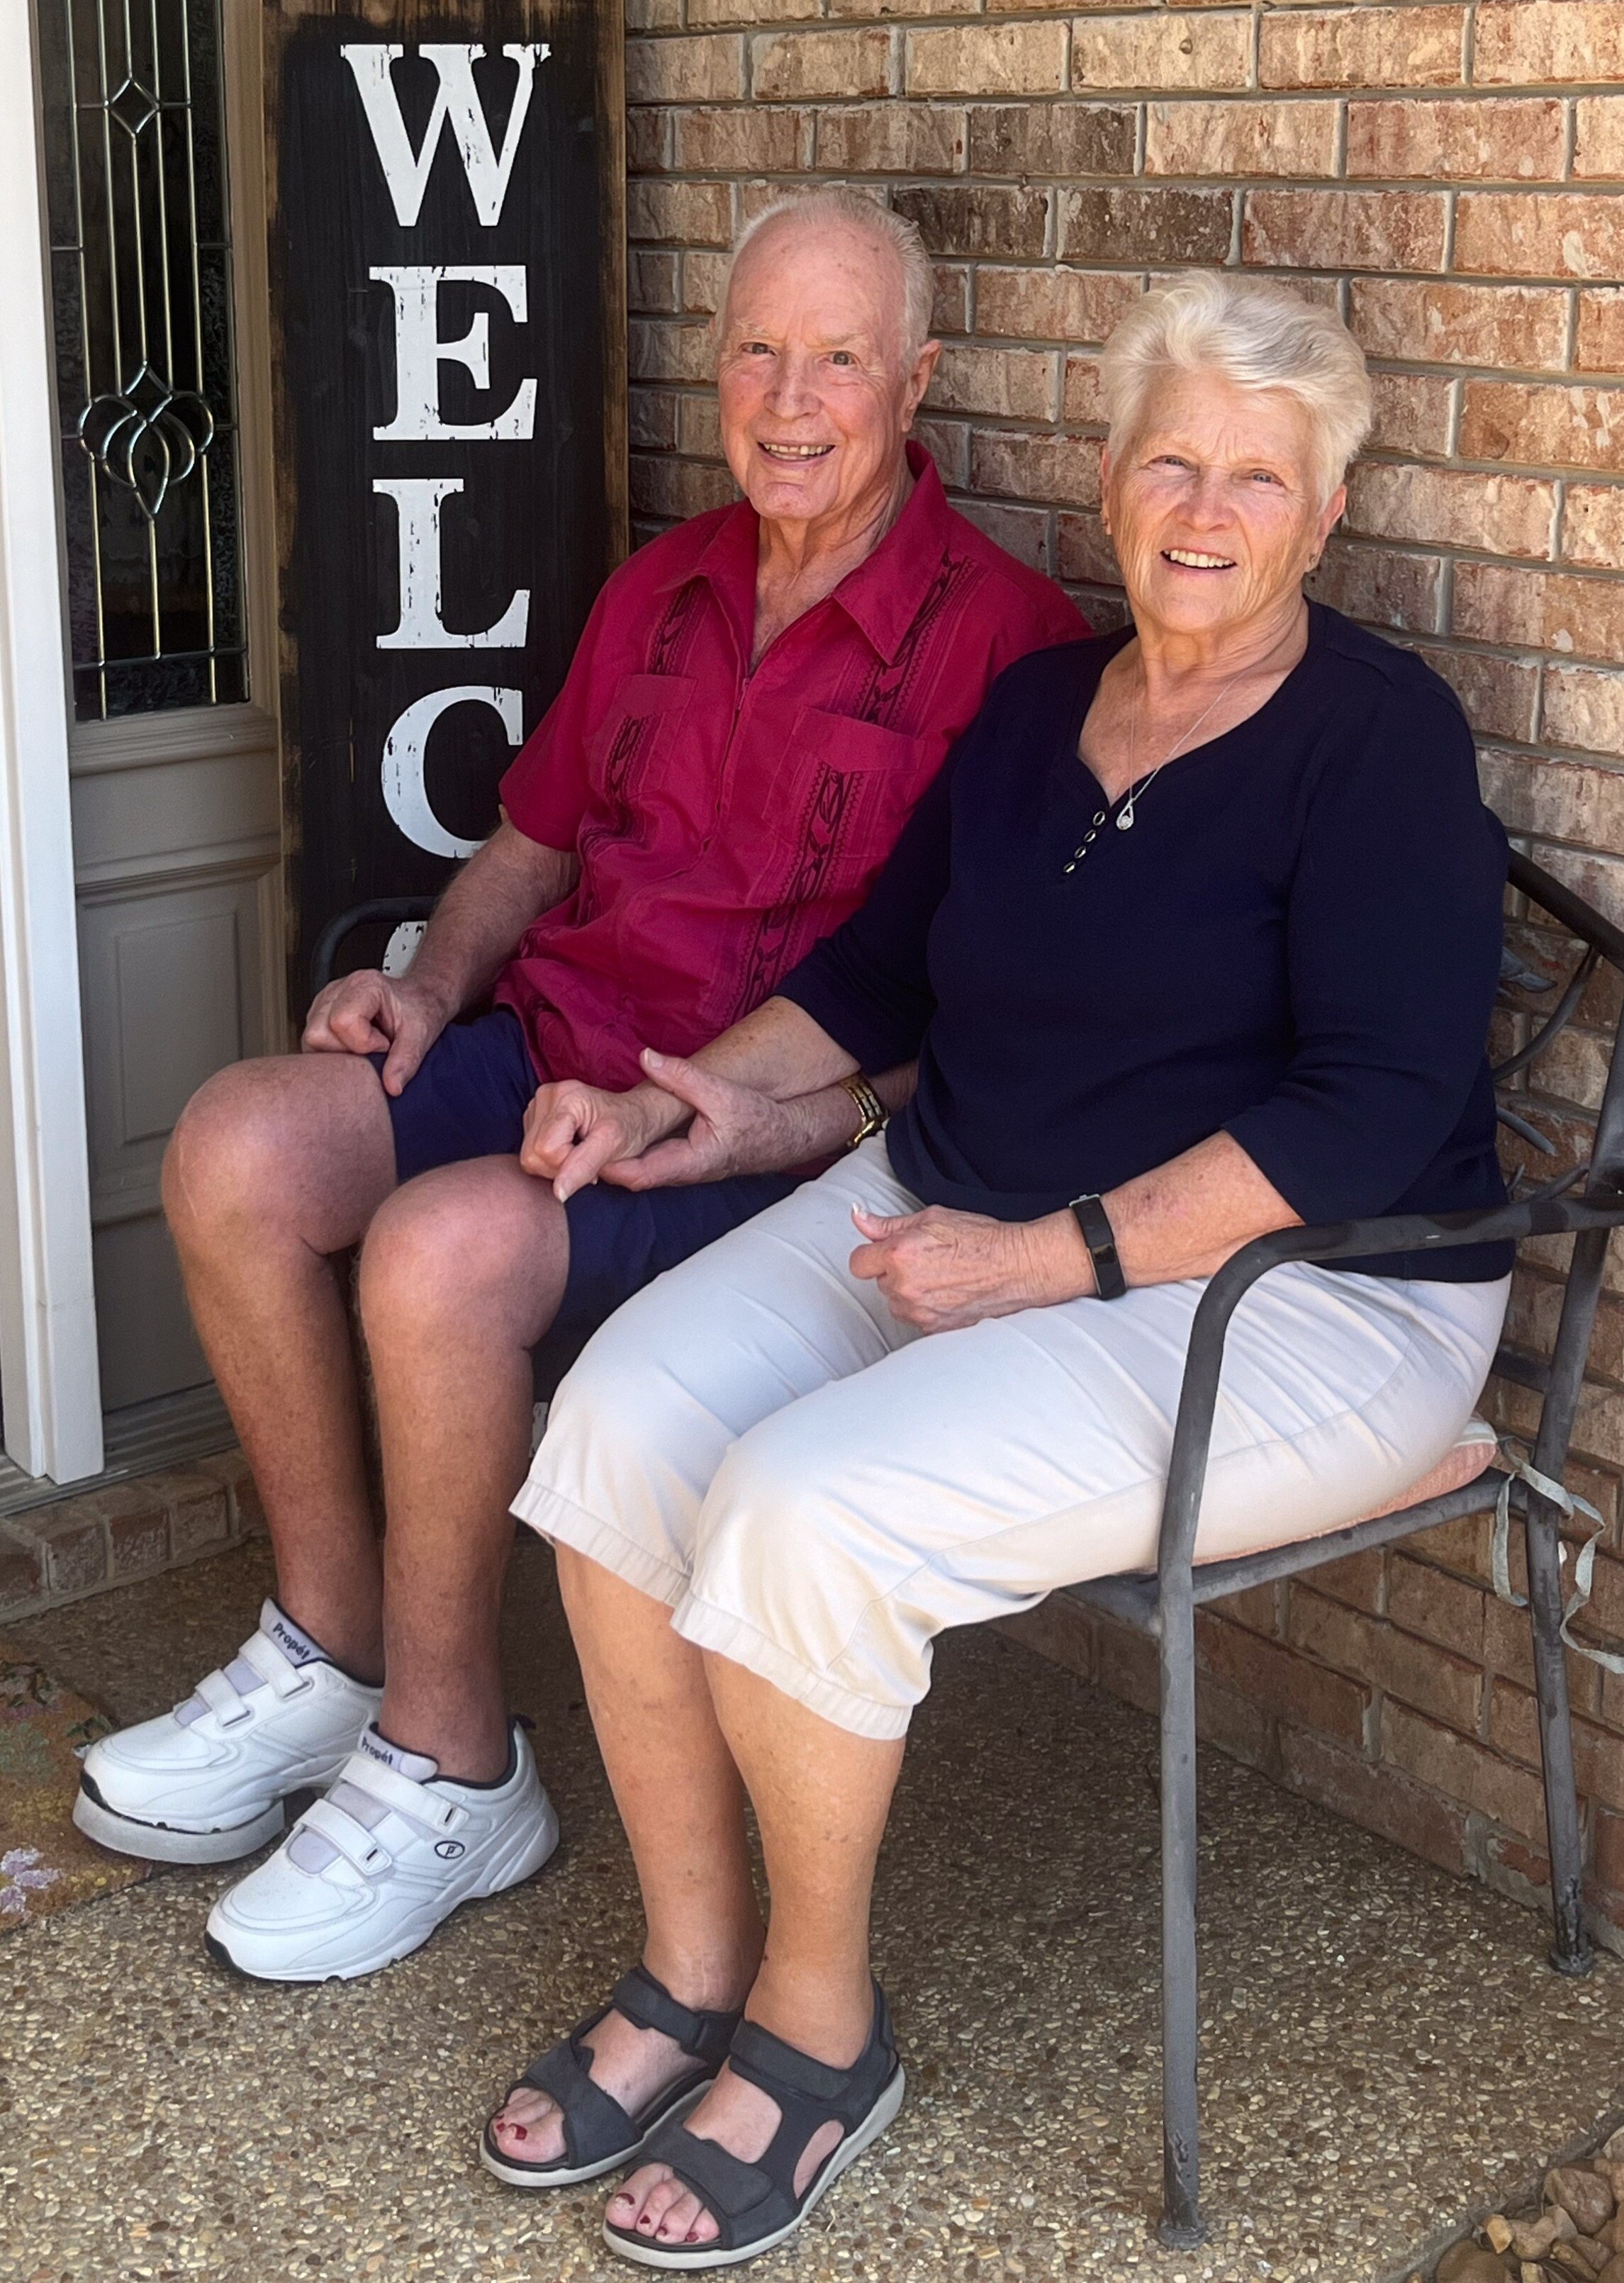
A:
(537, 2176)
(392, 1953)
(160, 1843)
(644, 2253)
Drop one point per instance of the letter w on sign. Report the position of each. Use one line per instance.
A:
(407, 171)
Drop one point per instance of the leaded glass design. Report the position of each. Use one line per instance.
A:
(141, 282)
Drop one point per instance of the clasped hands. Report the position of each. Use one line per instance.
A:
(939, 1270)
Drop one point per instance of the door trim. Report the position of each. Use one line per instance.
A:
(49, 1377)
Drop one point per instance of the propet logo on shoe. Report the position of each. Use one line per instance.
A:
(449, 1849)
(292, 1644)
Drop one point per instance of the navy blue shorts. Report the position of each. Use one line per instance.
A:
(468, 1099)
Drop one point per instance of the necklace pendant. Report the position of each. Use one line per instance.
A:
(1125, 822)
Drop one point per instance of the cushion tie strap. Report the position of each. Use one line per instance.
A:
(1569, 1504)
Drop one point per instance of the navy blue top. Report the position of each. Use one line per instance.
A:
(1297, 943)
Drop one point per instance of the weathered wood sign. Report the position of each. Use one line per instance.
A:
(447, 329)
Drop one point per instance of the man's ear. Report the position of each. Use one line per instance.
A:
(920, 380)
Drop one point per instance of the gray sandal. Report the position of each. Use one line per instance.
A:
(755, 2205)
(598, 2134)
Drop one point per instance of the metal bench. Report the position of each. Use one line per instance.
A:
(1163, 1606)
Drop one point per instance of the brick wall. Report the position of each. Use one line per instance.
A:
(1452, 176)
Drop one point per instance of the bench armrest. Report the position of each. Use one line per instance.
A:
(1602, 1208)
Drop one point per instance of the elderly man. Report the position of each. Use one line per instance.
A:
(759, 700)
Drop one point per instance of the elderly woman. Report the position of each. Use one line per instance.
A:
(1196, 938)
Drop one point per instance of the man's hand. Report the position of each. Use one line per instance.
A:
(943, 1270)
(734, 1129)
(369, 1013)
(575, 1133)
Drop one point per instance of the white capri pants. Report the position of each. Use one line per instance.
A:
(817, 1490)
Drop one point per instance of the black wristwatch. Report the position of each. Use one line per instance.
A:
(1098, 1235)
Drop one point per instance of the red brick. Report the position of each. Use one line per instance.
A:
(707, 69)
(667, 352)
(1013, 383)
(662, 485)
(986, 59)
(1293, 1686)
(947, 442)
(650, 281)
(1504, 515)
(1609, 1851)
(1380, 587)
(798, 66)
(890, 138)
(1598, 1758)
(1171, 50)
(1540, 610)
(652, 418)
(1082, 406)
(1359, 1579)
(648, 140)
(681, 214)
(1593, 526)
(1495, 141)
(1584, 708)
(1543, 427)
(1231, 139)
(1345, 230)
(22, 1574)
(1599, 344)
(951, 303)
(1376, 1799)
(956, 219)
(1345, 47)
(1022, 531)
(1598, 137)
(1427, 1678)
(1086, 552)
(1535, 234)
(1065, 139)
(1158, 226)
(1463, 1772)
(1052, 305)
(1063, 468)
(698, 428)
(1517, 326)
(1525, 43)
(1412, 413)
(1429, 1601)
(746, 139)
(1500, 696)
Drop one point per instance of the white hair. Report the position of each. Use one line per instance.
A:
(1254, 334)
(893, 231)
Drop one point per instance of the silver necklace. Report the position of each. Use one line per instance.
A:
(1126, 814)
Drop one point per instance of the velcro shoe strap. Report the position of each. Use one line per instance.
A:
(353, 1840)
(647, 2004)
(777, 2068)
(387, 1786)
(596, 2126)
(276, 1670)
(745, 2201)
(222, 1700)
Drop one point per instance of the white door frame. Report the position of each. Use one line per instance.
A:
(49, 1377)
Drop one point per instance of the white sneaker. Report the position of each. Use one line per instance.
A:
(366, 1875)
(206, 1782)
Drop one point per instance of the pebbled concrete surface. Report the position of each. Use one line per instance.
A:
(1386, 2052)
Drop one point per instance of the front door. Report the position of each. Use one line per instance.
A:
(154, 185)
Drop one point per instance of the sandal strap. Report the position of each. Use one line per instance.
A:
(648, 2005)
(750, 2201)
(595, 2124)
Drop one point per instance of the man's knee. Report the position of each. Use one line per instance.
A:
(228, 1157)
(464, 1245)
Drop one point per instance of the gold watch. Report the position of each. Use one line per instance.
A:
(871, 1111)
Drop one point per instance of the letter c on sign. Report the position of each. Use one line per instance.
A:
(404, 750)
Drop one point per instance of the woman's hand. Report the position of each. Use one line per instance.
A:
(733, 1129)
(943, 1270)
(575, 1134)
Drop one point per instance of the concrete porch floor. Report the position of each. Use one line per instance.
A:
(1386, 2052)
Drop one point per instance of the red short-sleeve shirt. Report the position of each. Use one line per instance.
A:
(725, 820)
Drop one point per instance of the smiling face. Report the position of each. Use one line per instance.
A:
(815, 385)
(1213, 503)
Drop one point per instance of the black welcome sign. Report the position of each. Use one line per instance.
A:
(448, 328)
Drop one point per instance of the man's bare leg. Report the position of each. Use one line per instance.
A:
(461, 1275)
(275, 1166)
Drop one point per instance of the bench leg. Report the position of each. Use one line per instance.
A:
(1182, 2225)
(1571, 1952)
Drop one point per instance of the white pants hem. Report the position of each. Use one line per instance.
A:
(706, 1626)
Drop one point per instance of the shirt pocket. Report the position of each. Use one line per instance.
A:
(627, 752)
(843, 793)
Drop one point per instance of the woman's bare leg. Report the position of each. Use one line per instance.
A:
(821, 1796)
(682, 1803)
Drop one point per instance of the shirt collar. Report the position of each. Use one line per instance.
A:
(882, 596)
